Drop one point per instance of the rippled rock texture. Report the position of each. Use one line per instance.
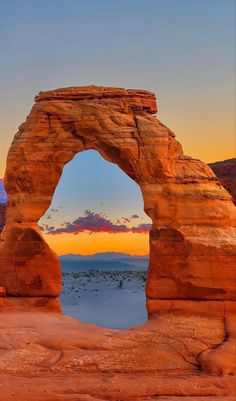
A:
(50, 357)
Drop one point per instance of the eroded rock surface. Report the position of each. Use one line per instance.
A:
(191, 285)
(193, 237)
(50, 357)
(226, 172)
(2, 292)
(2, 215)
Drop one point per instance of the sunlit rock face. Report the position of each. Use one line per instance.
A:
(226, 172)
(50, 357)
(191, 286)
(192, 242)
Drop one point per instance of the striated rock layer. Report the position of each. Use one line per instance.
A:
(226, 172)
(192, 241)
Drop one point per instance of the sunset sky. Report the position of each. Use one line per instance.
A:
(183, 50)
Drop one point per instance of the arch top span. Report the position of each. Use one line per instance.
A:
(135, 99)
(193, 238)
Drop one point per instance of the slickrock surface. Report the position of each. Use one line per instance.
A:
(51, 357)
(189, 341)
(226, 172)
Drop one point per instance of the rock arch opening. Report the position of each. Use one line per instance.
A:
(97, 226)
(193, 233)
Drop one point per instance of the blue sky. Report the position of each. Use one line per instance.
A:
(183, 50)
(88, 177)
(91, 183)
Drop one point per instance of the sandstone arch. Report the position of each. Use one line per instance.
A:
(192, 242)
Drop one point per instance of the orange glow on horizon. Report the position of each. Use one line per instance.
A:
(86, 244)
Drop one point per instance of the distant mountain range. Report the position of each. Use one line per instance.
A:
(103, 261)
(101, 256)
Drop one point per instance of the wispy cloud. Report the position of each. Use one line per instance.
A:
(126, 220)
(96, 223)
(142, 228)
(135, 216)
(91, 222)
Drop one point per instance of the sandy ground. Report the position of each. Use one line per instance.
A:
(106, 298)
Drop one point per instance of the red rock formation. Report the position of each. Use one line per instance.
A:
(2, 215)
(226, 172)
(192, 241)
(49, 357)
(2, 292)
(193, 234)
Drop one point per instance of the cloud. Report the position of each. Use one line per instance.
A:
(3, 194)
(135, 216)
(142, 228)
(95, 223)
(46, 227)
(126, 219)
(91, 222)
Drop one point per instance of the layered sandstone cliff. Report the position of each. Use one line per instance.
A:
(226, 172)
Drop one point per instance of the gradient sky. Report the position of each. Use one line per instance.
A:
(89, 183)
(183, 50)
